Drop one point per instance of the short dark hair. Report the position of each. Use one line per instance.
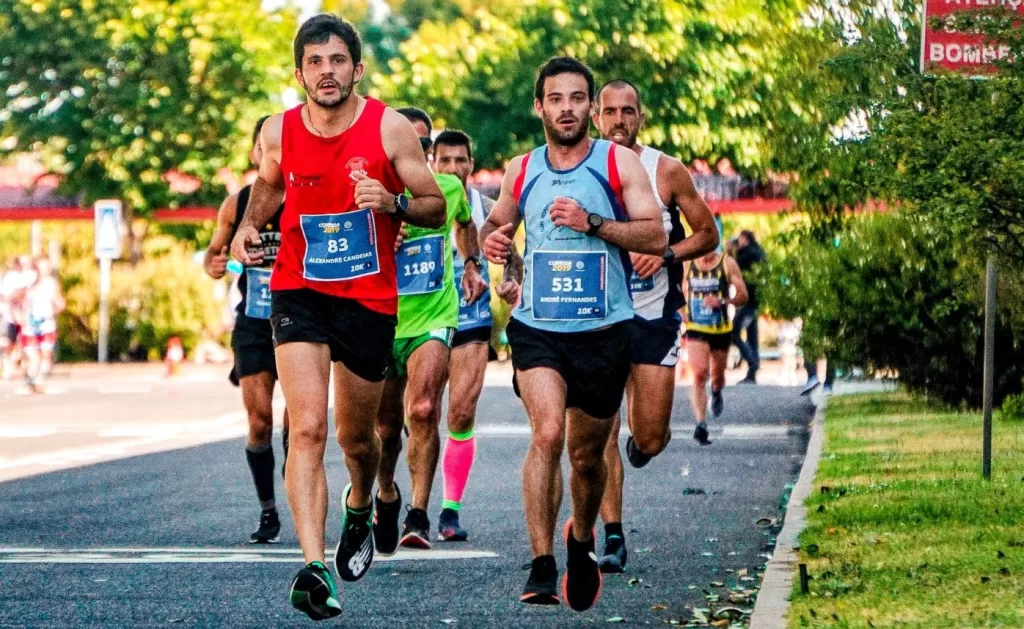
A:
(621, 84)
(256, 130)
(318, 30)
(749, 235)
(414, 114)
(454, 137)
(562, 65)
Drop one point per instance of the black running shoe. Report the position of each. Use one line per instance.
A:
(581, 585)
(637, 457)
(701, 434)
(284, 446)
(354, 554)
(269, 530)
(416, 532)
(542, 586)
(717, 403)
(385, 524)
(614, 559)
(314, 593)
(448, 529)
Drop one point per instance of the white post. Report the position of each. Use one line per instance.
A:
(105, 264)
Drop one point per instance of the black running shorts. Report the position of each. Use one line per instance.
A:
(717, 342)
(359, 338)
(472, 335)
(594, 365)
(253, 344)
(654, 341)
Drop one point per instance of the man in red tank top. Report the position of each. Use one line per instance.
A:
(341, 163)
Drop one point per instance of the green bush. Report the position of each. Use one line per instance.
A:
(896, 292)
(165, 295)
(1013, 408)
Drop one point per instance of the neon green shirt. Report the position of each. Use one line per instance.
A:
(421, 313)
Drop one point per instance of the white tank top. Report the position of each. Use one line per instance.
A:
(649, 295)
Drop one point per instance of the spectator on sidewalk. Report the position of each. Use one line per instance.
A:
(811, 365)
(748, 254)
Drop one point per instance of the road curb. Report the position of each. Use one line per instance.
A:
(772, 606)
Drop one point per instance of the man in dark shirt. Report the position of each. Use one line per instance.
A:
(748, 254)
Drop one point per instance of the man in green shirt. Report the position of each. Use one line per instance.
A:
(428, 313)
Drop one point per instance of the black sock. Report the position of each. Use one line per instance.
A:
(261, 464)
(614, 529)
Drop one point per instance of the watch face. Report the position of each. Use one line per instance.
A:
(403, 202)
(594, 220)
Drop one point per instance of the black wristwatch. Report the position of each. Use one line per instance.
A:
(401, 205)
(475, 261)
(595, 221)
(669, 256)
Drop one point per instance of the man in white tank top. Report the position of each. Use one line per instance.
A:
(657, 296)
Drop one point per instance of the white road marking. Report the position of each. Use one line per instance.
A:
(756, 431)
(205, 555)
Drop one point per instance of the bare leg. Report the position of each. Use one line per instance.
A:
(466, 381)
(428, 372)
(719, 358)
(649, 393)
(587, 438)
(257, 396)
(543, 392)
(390, 419)
(699, 358)
(356, 405)
(611, 504)
(304, 371)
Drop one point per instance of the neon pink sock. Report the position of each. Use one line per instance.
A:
(458, 461)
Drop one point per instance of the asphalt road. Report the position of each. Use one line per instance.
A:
(159, 539)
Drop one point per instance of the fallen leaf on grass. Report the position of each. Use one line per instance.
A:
(616, 619)
(635, 582)
(717, 584)
(449, 621)
(707, 554)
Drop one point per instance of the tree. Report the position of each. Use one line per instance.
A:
(946, 146)
(705, 69)
(114, 94)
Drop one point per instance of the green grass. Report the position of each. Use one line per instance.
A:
(902, 530)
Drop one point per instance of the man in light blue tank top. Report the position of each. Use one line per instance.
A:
(585, 204)
(657, 296)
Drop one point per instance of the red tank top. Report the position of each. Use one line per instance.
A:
(327, 243)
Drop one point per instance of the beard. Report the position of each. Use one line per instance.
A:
(566, 137)
(344, 90)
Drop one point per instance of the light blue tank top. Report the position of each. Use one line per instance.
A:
(573, 282)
